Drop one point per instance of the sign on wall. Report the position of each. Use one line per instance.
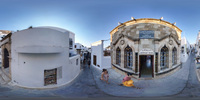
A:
(146, 34)
(146, 51)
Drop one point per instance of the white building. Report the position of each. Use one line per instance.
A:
(39, 57)
(98, 59)
(185, 49)
(197, 46)
(80, 49)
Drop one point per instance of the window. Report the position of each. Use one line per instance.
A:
(50, 76)
(95, 60)
(70, 43)
(128, 58)
(70, 54)
(106, 53)
(156, 62)
(182, 49)
(174, 56)
(136, 62)
(6, 58)
(118, 56)
(164, 58)
(76, 61)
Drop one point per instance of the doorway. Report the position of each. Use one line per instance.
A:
(95, 60)
(146, 66)
(6, 59)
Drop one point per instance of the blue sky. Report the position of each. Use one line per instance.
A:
(92, 20)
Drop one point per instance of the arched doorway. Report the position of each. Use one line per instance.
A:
(146, 66)
(6, 59)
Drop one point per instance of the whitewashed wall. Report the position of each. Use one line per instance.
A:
(80, 46)
(106, 62)
(74, 62)
(38, 49)
(97, 49)
(197, 45)
(184, 43)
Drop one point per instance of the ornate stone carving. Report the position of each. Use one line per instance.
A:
(122, 42)
(170, 42)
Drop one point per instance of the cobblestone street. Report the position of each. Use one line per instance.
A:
(181, 84)
(163, 87)
(192, 88)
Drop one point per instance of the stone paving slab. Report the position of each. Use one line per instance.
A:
(166, 86)
(83, 87)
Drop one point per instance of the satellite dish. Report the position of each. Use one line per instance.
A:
(161, 18)
(132, 18)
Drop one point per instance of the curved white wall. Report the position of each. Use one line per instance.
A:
(38, 49)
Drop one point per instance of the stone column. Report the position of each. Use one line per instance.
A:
(113, 58)
(136, 43)
(158, 61)
(122, 58)
(170, 59)
(133, 61)
(2, 59)
(178, 54)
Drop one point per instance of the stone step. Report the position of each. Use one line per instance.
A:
(2, 82)
(4, 79)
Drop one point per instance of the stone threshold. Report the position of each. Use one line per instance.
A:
(125, 70)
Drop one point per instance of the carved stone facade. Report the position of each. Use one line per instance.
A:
(6, 52)
(152, 41)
